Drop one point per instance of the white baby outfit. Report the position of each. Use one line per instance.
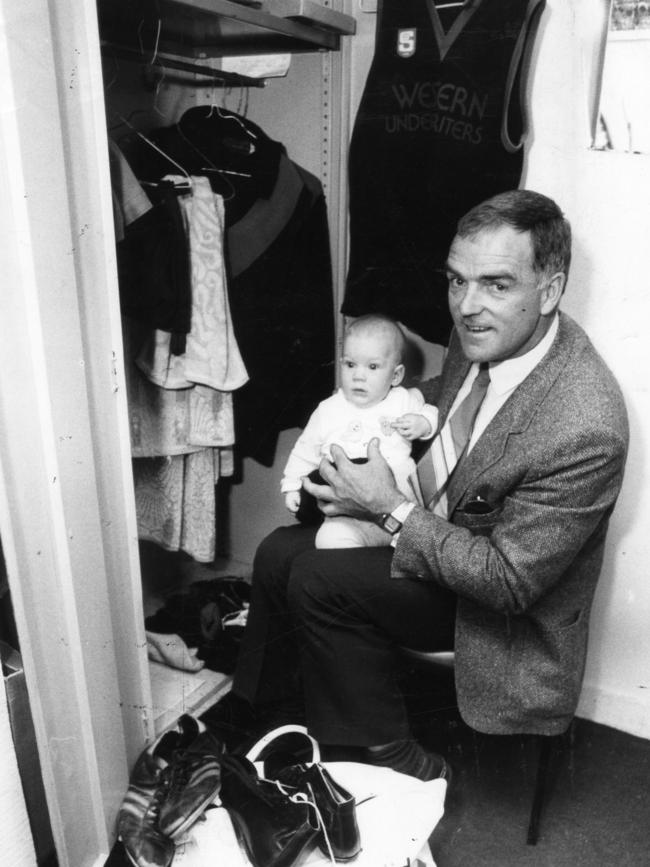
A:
(337, 421)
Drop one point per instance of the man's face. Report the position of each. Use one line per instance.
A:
(501, 308)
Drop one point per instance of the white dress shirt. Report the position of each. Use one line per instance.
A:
(505, 376)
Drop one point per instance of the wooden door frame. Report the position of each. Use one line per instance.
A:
(67, 511)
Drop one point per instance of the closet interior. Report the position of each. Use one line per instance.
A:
(225, 122)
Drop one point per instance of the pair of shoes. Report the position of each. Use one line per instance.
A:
(338, 832)
(137, 821)
(274, 828)
(172, 782)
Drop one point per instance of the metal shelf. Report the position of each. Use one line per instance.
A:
(217, 28)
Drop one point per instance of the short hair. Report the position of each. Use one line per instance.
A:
(526, 211)
(376, 324)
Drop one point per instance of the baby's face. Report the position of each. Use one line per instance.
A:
(369, 367)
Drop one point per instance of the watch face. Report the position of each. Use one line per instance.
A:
(391, 524)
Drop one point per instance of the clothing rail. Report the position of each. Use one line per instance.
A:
(218, 76)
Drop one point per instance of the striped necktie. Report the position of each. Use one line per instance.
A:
(436, 465)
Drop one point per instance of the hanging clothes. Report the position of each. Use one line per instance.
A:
(283, 309)
(439, 129)
(181, 440)
(167, 421)
(152, 253)
(211, 356)
(129, 199)
(175, 500)
(278, 266)
(182, 445)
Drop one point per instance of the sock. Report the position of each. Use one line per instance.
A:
(408, 757)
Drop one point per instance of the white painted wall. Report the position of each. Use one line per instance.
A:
(606, 196)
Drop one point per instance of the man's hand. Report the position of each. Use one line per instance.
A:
(359, 490)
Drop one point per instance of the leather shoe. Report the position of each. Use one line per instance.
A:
(338, 834)
(274, 828)
(138, 817)
(193, 779)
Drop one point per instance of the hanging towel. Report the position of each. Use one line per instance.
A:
(211, 354)
(172, 422)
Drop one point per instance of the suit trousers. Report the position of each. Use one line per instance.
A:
(327, 624)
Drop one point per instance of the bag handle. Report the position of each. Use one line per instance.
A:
(256, 750)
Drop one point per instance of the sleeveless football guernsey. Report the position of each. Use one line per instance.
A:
(438, 130)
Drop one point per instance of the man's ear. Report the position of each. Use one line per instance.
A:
(398, 375)
(552, 293)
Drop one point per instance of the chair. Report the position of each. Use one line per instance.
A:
(444, 659)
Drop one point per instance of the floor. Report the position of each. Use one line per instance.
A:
(597, 812)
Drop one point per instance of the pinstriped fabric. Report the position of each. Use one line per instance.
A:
(436, 465)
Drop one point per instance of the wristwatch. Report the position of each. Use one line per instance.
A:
(392, 521)
(389, 522)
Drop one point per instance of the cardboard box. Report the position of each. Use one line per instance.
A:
(22, 730)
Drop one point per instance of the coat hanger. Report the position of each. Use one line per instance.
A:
(122, 122)
(226, 114)
(238, 120)
(185, 185)
(211, 166)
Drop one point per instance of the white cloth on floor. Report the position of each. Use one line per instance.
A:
(171, 650)
(396, 814)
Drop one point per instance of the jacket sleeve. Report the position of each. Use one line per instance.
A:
(507, 559)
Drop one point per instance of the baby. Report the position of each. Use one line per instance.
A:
(370, 403)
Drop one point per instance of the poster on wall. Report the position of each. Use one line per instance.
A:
(440, 127)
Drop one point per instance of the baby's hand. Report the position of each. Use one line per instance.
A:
(292, 501)
(412, 425)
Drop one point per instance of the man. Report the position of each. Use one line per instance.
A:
(502, 566)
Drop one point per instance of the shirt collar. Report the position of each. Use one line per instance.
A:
(507, 375)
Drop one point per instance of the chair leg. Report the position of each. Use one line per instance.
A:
(540, 788)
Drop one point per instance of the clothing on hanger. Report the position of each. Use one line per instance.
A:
(211, 355)
(152, 252)
(278, 268)
(214, 142)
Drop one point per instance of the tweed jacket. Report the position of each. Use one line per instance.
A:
(550, 466)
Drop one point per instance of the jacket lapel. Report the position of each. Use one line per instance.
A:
(514, 416)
